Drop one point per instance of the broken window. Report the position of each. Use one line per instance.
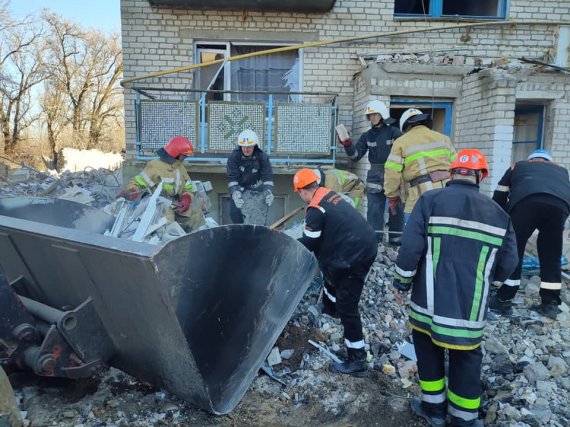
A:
(528, 130)
(440, 111)
(277, 72)
(449, 8)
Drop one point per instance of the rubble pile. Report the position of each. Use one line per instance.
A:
(526, 381)
(506, 63)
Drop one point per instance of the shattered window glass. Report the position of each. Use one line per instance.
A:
(412, 7)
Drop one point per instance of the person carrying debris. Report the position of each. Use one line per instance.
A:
(249, 173)
(345, 246)
(342, 182)
(456, 242)
(377, 141)
(420, 159)
(536, 194)
(176, 184)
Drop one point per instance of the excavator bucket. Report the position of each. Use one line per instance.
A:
(196, 316)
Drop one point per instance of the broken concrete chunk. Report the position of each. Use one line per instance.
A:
(287, 354)
(274, 357)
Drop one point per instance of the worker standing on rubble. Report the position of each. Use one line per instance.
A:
(420, 159)
(344, 183)
(176, 184)
(456, 242)
(377, 141)
(248, 170)
(345, 246)
(536, 194)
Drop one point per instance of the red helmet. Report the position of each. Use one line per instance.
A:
(303, 178)
(179, 145)
(470, 159)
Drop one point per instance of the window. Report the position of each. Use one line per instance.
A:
(527, 130)
(451, 8)
(277, 72)
(441, 112)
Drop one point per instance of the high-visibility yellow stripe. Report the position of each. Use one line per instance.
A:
(433, 153)
(452, 157)
(436, 385)
(356, 201)
(140, 182)
(464, 402)
(441, 343)
(394, 166)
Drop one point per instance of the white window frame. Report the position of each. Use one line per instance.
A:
(227, 67)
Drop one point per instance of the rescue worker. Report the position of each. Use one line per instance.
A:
(248, 169)
(536, 194)
(456, 242)
(342, 182)
(420, 159)
(377, 141)
(176, 184)
(345, 246)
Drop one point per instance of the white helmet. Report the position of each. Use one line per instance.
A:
(409, 113)
(248, 138)
(319, 176)
(377, 107)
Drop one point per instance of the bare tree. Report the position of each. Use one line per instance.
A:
(21, 69)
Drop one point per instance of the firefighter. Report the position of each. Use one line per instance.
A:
(248, 169)
(342, 182)
(176, 184)
(377, 141)
(456, 242)
(345, 246)
(536, 194)
(420, 159)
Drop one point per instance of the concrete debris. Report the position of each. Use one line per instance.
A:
(274, 357)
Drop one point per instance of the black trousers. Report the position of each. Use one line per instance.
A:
(464, 385)
(527, 216)
(343, 292)
(235, 214)
(375, 216)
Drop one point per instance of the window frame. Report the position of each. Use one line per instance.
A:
(436, 12)
(425, 104)
(198, 46)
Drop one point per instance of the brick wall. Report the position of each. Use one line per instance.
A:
(156, 39)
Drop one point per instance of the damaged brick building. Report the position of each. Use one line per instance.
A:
(501, 85)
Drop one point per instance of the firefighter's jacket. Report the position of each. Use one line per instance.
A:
(532, 178)
(344, 182)
(416, 154)
(338, 234)
(377, 141)
(175, 183)
(456, 243)
(249, 172)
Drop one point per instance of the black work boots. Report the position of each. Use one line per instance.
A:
(548, 309)
(433, 419)
(504, 308)
(355, 364)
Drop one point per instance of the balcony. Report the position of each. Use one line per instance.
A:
(312, 6)
(293, 127)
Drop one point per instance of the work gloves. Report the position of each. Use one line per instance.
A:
(184, 203)
(345, 143)
(238, 200)
(131, 194)
(269, 197)
(393, 203)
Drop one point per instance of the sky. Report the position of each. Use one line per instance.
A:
(104, 15)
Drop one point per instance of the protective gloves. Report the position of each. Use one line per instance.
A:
(269, 197)
(393, 203)
(345, 143)
(238, 201)
(131, 194)
(184, 203)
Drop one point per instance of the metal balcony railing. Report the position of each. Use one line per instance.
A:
(293, 127)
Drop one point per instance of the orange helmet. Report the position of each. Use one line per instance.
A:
(179, 145)
(471, 159)
(303, 178)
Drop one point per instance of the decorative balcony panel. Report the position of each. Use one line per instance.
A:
(314, 6)
(303, 128)
(160, 120)
(226, 120)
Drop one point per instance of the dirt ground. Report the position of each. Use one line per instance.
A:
(310, 398)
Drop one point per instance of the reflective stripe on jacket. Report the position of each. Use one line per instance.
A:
(456, 243)
(174, 177)
(416, 153)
